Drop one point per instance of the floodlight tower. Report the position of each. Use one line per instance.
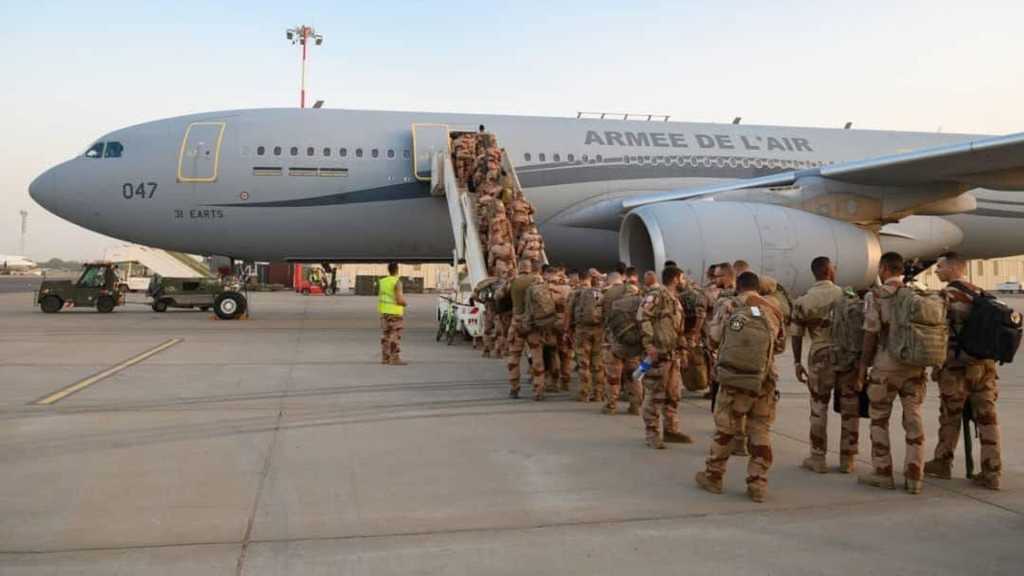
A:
(301, 35)
(24, 230)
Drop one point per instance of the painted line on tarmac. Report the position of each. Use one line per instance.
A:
(83, 384)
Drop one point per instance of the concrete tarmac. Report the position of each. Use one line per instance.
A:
(280, 445)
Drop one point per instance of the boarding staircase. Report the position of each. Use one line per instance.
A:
(470, 250)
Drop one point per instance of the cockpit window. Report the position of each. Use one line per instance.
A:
(113, 150)
(95, 151)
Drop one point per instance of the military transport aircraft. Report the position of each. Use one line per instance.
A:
(341, 185)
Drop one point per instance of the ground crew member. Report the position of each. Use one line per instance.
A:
(619, 363)
(519, 337)
(734, 405)
(811, 317)
(661, 322)
(963, 377)
(890, 378)
(391, 307)
(584, 322)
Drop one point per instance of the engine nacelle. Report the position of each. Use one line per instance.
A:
(775, 240)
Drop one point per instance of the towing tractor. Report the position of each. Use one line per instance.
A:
(202, 293)
(98, 287)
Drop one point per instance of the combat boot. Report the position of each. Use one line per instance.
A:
(876, 480)
(756, 493)
(514, 393)
(538, 397)
(634, 409)
(398, 362)
(707, 483)
(656, 442)
(815, 464)
(847, 463)
(606, 409)
(564, 387)
(912, 486)
(678, 438)
(939, 469)
(739, 446)
(986, 481)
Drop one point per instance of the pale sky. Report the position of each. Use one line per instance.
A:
(72, 71)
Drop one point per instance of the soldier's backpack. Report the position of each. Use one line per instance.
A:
(502, 296)
(847, 331)
(992, 330)
(622, 326)
(918, 333)
(691, 299)
(772, 290)
(744, 356)
(586, 311)
(541, 312)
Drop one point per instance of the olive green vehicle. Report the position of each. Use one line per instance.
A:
(202, 293)
(98, 287)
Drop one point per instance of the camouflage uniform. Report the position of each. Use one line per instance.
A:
(391, 337)
(489, 327)
(723, 296)
(963, 377)
(889, 379)
(661, 322)
(589, 338)
(811, 317)
(521, 216)
(502, 323)
(695, 309)
(531, 247)
(562, 360)
(518, 341)
(619, 361)
(500, 255)
(735, 407)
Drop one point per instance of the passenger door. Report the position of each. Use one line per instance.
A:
(427, 140)
(199, 156)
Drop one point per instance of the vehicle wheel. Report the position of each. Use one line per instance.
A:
(229, 306)
(160, 306)
(105, 304)
(452, 331)
(51, 304)
(441, 323)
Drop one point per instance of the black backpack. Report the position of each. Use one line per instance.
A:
(992, 330)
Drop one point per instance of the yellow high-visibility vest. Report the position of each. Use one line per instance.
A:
(386, 301)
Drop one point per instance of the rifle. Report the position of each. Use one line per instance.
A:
(968, 416)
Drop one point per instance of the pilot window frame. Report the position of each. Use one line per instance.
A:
(113, 149)
(98, 148)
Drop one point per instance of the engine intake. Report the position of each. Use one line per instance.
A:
(775, 240)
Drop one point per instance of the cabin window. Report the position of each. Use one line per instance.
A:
(599, 158)
(294, 151)
(310, 151)
(541, 157)
(585, 158)
(405, 154)
(391, 153)
(359, 152)
(277, 150)
(526, 156)
(375, 153)
(556, 157)
(327, 151)
(95, 151)
(571, 158)
(260, 150)
(343, 152)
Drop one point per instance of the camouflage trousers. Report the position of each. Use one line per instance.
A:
(883, 388)
(977, 382)
(533, 343)
(391, 337)
(589, 342)
(732, 407)
(502, 323)
(662, 389)
(821, 382)
(489, 331)
(619, 368)
(695, 371)
(565, 360)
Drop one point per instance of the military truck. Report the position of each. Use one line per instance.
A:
(98, 286)
(202, 293)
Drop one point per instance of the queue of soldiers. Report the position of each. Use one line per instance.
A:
(644, 341)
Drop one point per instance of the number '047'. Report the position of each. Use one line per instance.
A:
(141, 190)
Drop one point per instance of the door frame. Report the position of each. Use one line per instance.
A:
(415, 157)
(216, 153)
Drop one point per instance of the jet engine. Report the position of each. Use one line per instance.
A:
(775, 240)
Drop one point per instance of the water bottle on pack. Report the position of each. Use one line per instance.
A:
(642, 369)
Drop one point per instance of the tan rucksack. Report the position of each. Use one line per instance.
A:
(622, 327)
(918, 333)
(541, 312)
(665, 323)
(846, 325)
(744, 357)
(585, 309)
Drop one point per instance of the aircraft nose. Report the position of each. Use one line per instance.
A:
(42, 188)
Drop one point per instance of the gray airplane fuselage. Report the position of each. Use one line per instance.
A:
(339, 185)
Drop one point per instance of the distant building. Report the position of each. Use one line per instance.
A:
(986, 274)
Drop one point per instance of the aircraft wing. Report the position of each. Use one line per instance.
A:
(995, 163)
